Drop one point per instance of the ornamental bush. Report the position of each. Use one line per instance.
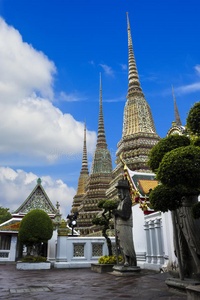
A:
(106, 259)
(35, 228)
(193, 119)
(181, 167)
(163, 198)
(163, 146)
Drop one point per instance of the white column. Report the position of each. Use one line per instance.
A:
(159, 241)
(61, 248)
(148, 243)
(153, 242)
(13, 248)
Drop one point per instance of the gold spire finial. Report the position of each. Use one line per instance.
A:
(128, 24)
(100, 80)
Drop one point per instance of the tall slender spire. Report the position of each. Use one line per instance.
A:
(102, 159)
(134, 84)
(177, 116)
(101, 139)
(84, 168)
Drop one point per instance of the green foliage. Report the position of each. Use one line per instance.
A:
(193, 119)
(4, 214)
(109, 259)
(101, 203)
(36, 227)
(163, 198)
(99, 221)
(163, 146)
(110, 204)
(32, 259)
(196, 142)
(195, 210)
(181, 167)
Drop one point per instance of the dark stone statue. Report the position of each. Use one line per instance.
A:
(124, 224)
(187, 238)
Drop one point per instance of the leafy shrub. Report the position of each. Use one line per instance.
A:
(28, 259)
(193, 119)
(195, 210)
(32, 259)
(40, 259)
(164, 199)
(181, 167)
(163, 146)
(36, 227)
(109, 259)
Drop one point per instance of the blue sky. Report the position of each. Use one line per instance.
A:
(51, 54)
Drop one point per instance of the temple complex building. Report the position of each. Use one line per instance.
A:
(99, 179)
(139, 133)
(83, 178)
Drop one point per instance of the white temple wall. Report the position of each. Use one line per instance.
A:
(52, 245)
(153, 239)
(80, 252)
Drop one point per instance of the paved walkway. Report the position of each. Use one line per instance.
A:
(75, 284)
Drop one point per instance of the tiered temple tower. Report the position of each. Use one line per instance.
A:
(83, 178)
(139, 133)
(100, 177)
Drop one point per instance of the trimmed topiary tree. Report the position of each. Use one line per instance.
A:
(104, 220)
(193, 119)
(35, 228)
(177, 167)
(163, 146)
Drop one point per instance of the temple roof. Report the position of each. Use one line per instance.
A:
(37, 199)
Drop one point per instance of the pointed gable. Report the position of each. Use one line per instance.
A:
(37, 199)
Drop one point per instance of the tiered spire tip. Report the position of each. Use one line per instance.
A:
(134, 84)
(177, 116)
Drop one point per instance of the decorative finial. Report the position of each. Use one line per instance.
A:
(39, 181)
(128, 24)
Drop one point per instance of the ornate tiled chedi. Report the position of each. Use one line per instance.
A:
(99, 179)
(139, 133)
(83, 178)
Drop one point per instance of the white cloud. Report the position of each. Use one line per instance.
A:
(30, 124)
(190, 88)
(16, 186)
(108, 70)
(70, 97)
(123, 66)
(23, 69)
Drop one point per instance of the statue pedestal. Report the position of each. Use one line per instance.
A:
(181, 285)
(125, 271)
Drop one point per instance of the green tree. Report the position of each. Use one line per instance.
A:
(104, 220)
(35, 228)
(4, 214)
(176, 162)
(193, 119)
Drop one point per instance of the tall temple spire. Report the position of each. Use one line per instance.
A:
(177, 116)
(84, 175)
(84, 168)
(102, 159)
(134, 84)
(139, 132)
(99, 179)
(101, 139)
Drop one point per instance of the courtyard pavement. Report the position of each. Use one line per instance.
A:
(75, 284)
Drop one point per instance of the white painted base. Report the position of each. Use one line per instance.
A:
(75, 265)
(33, 266)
